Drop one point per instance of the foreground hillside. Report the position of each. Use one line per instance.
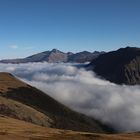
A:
(23, 102)
(121, 66)
(12, 129)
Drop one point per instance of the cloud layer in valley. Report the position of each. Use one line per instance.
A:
(83, 91)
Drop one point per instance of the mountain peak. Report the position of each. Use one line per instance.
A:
(128, 48)
(55, 50)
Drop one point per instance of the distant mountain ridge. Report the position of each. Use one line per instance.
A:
(55, 56)
(121, 66)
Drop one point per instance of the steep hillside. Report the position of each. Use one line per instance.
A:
(121, 66)
(17, 110)
(19, 99)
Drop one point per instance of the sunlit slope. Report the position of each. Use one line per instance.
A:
(12, 129)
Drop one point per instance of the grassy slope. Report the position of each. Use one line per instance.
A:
(20, 111)
(12, 129)
(34, 101)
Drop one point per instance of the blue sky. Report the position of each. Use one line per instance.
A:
(31, 26)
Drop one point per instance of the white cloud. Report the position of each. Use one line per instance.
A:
(13, 46)
(83, 91)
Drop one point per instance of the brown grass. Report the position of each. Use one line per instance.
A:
(20, 111)
(12, 129)
(8, 81)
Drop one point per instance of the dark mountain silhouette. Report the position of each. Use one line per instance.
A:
(24, 102)
(55, 56)
(121, 66)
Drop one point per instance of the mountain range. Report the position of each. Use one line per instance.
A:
(55, 56)
(121, 66)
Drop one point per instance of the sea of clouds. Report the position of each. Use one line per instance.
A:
(83, 91)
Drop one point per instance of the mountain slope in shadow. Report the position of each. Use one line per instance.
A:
(121, 66)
